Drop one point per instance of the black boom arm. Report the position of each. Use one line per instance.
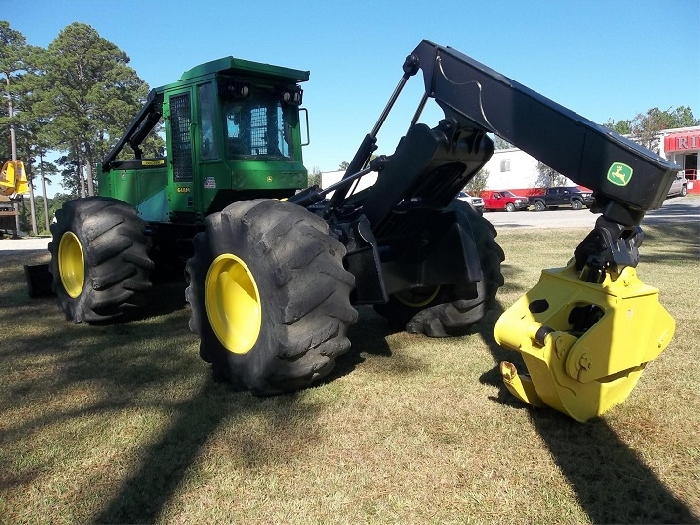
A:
(139, 128)
(626, 178)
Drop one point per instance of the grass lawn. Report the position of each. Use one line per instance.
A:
(124, 424)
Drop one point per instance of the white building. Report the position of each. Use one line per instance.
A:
(513, 169)
(682, 145)
(331, 177)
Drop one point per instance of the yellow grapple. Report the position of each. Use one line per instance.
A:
(585, 344)
(13, 179)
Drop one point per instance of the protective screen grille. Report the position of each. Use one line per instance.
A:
(258, 131)
(181, 140)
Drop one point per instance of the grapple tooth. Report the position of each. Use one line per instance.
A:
(520, 385)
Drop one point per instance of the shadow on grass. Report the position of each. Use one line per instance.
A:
(611, 482)
(143, 496)
(127, 377)
(368, 336)
(672, 241)
(166, 297)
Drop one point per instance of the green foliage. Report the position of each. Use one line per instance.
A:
(53, 204)
(13, 58)
(77, 96)
(478, 183)
(343, 166)
(315, 177)
(645, 127)
(500, 143)
(623, 127)
(68, 168)
(88, 96)
(25, 219)
(5, 152)
(548, 177)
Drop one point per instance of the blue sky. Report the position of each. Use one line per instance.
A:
(602, 59)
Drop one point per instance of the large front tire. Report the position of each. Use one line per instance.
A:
(99, 260)
(269, 296)
(451, 310)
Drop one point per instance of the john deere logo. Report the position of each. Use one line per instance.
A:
(620, 173)
(269, 179)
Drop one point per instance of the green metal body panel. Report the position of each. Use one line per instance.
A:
(144, 188)
(232, 132)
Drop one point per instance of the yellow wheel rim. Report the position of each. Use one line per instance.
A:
(418, 296)
(71, 266)
(233, 303)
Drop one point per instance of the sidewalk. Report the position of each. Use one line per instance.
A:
(25, 243)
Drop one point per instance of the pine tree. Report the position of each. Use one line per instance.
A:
(89, 96)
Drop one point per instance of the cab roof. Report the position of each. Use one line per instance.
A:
(236, 66)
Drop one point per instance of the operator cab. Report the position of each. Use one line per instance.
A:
(232, 132)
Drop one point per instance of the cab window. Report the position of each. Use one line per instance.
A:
(206, 114)
(258, 126)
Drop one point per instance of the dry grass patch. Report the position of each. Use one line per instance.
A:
(123, 423)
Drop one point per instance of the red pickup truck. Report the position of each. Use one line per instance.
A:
(504, 200)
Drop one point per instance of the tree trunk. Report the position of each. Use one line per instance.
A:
(43, 191)
(30, 182)
(32, 204)
(90, 185)
(88, 169)
(80, 172)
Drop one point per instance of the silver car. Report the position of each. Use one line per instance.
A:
(679, 186)
(475, 202)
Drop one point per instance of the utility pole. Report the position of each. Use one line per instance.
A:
(13, 145)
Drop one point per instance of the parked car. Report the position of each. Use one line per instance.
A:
(572, 196)
(504, 200)
(679, 186)
(475, 202)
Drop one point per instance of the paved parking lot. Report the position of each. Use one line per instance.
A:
(559, 218)
(26, 243)
(675, 209)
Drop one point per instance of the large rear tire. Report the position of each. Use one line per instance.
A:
(451, 310)
(99, 260)
(270, 298)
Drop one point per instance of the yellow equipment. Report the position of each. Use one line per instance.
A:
(13, 179)
(585, 344)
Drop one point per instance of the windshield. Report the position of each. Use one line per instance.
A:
(509, 194)
(258, 126)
